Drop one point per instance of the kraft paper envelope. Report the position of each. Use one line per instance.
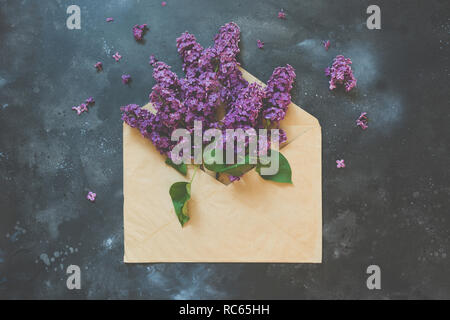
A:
(251, 220)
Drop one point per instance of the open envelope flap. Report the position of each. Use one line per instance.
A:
(252, 220)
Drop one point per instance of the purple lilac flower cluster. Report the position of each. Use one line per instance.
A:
(341, 73)
(149, 125)
(278, 96)
(138, 31)
(213, 82)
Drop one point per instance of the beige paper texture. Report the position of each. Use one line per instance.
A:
(251, 220)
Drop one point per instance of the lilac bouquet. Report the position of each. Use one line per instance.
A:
(215, 94)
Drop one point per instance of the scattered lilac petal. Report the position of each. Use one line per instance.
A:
(363, 121)
(91, 196)
(117, 56)
(126, 78)
(260, 44)
(84, 106)
(90, 101)
(109, 19)
(326, 44)
(80, 109)
(340, 163)
(138, 31)
(163, 4)
(233, 178)
(281, 14)
(99, 66)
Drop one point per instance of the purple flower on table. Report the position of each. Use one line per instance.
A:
(341, 73)
(84, 106)
(363, 121)
(91, 196)
(126, 78)
(138, 31)
(109, 19)
(90, 101)
(260, 44)
(281, 14)
(340, 163)
(80, 109)
(99, 66)
(117, 56)
(326, 44)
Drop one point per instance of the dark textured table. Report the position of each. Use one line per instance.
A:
(388, 207)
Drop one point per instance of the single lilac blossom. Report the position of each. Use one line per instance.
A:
(90, 101)
(91, 196)
(126, 78)
(117, 56)
(326, 44)
(281, 14)
(99, 66)
(340, 163)
(363, 121)
(260, 44)
(163, 4)
(109, 19)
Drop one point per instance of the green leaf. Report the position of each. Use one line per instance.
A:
(181, 168)
(284, 174)
(180, 192)
(236, 170)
